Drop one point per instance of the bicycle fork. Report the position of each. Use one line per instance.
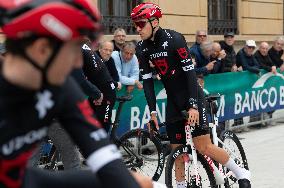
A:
(189, 141)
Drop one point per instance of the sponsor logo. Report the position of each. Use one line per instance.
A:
(264, 78)
(153, 12)
(178, 136)
(159, 54)
(17, 143)
(106, 114)
(99, 135)
(162, 65)
(86, 47)
(44, 103)
(168, 34)
(94, 61)
(55, 26)
(112, 86)
(188, 68)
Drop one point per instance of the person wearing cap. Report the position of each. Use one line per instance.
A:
(227, 44)
(246, 59)
(276, 52)
(168, 51)
(35, 88)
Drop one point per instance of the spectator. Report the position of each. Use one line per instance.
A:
(276, 53)
(262, 57)
(204, 65)
(218, 55)
(267, 64)
(119, 37)
(229, 62)
(200, 36)
(246, 59)
(105, 51)
(127, 66)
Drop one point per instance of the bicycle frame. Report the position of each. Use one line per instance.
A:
(189, 141)
(218, 172)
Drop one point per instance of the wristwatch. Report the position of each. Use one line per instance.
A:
(193, 103)
(194, 106)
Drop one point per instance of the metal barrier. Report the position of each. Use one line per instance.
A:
(262, 120)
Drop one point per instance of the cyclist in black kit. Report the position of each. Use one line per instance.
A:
(168, 51)
(97, 73)
(43, 42)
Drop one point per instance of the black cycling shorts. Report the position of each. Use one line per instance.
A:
(175, 126)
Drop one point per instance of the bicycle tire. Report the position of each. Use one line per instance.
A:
(241, 160)
(202, 163)
(135, 158)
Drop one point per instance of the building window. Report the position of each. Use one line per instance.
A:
(222, 16)
(117, 14)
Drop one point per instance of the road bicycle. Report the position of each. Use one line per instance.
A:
(200, 170)
(142, 150)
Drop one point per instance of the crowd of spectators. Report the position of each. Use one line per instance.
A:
(220, 57)
(209, 57)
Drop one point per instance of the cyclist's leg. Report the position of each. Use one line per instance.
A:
(104, 111)
(68, 150)
(176, 134)
(38, 178)
(203, 144)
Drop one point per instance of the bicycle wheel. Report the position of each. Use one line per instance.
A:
(235, 150)
(50, 160)
(207, 178)
(142, 153)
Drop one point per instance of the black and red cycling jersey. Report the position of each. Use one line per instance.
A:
(169, 53)
(25, 115)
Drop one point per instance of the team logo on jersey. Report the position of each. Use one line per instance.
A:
(182, 53)
(44, 103)
(165, 44)
(162, 65)
(178, 136)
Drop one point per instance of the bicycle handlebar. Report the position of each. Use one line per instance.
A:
(124, 98)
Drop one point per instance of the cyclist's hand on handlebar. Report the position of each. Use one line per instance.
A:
(155, 120)
(193, 116)
(99, 101)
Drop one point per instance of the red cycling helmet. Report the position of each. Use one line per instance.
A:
(146, 11)
(61, 19)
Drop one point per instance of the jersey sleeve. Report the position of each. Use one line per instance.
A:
(102, 157)
(89, 89)
(146, 73)
(184, 59)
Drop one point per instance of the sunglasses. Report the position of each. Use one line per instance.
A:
(140, 24)
(251, 47)
(202, 36)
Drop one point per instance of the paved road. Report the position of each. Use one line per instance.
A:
(265, 153)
